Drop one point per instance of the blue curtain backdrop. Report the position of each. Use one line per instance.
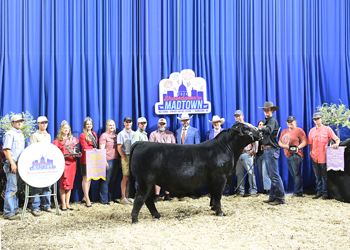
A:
(104, 59)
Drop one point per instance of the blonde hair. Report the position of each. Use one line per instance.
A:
(110, 120)
(84, 127)
(61, 133)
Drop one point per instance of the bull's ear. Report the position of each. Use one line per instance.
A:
(237, 127)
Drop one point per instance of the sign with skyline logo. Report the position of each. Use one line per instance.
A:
(41, 164)
(183, 93)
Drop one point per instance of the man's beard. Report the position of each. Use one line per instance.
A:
(162, 129)
(185, 125)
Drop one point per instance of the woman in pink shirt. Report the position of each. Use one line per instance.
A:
(318, 140)
(108, 141)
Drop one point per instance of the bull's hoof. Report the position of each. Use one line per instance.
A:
(135, 220)
(219, 213)
(157, 216)
(212, 208)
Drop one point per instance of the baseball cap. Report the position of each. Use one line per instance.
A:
(238, 112)
(128, 118)
(163, 120)
(16, 118)
(317, 115)
(141, 119)
(291, 118)
(42, 119)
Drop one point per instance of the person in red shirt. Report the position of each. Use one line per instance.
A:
(292, 140)
(68, 145)
(88, 140)
(318, 140)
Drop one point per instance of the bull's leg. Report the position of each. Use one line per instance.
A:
(151, 206)
(140, 198)
(211, 200)
(216, 193)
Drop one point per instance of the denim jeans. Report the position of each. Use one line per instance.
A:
(107, 186)
(246, 162)
(43, 200)
(294, 165)
(13, 184)
(320, 170)
(271, 159)
(264, 175)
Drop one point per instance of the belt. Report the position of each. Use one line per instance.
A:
(266, 147)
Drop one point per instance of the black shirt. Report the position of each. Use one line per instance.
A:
(271, 130)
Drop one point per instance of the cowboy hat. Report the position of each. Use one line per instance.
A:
(269, 105)
(184, 116)
(217, 118)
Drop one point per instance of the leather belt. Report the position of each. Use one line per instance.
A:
(266, 147)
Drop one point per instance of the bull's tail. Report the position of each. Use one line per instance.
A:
(132, 181)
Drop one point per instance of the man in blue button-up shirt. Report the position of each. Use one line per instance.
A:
(13, 147)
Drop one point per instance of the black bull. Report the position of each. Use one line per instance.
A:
(183, 168)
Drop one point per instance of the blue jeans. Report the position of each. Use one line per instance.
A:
(320, 170)
(13, 184)
(107, 186)
(294, 165)
(43, 200)
(271, 159)
(264, 175)
(246, 162)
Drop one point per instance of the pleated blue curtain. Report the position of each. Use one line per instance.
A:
(104, 59)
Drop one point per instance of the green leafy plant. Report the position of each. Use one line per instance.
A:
(335, 115)
(28, 127)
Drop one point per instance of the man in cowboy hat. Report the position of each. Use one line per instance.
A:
(187, 134)
(271, 154)
(13, 147)
(161, 135)
(216, 122)
(246, 161)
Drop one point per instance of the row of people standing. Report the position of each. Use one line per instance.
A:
(120, 144)
(292, 140)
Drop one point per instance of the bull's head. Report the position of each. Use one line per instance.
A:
(243, 129)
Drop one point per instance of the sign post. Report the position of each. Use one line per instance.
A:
(41, 165)
(335, 158)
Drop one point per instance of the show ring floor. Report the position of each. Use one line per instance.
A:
(302, 223)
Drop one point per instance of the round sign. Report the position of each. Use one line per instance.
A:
(41, 164)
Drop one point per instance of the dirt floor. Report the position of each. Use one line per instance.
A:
(302, 223)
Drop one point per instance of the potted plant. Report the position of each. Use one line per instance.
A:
(335, 115)
(28, 127)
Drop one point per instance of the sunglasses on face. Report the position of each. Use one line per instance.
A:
(289, 121)
(128, 121)
(143, 123)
